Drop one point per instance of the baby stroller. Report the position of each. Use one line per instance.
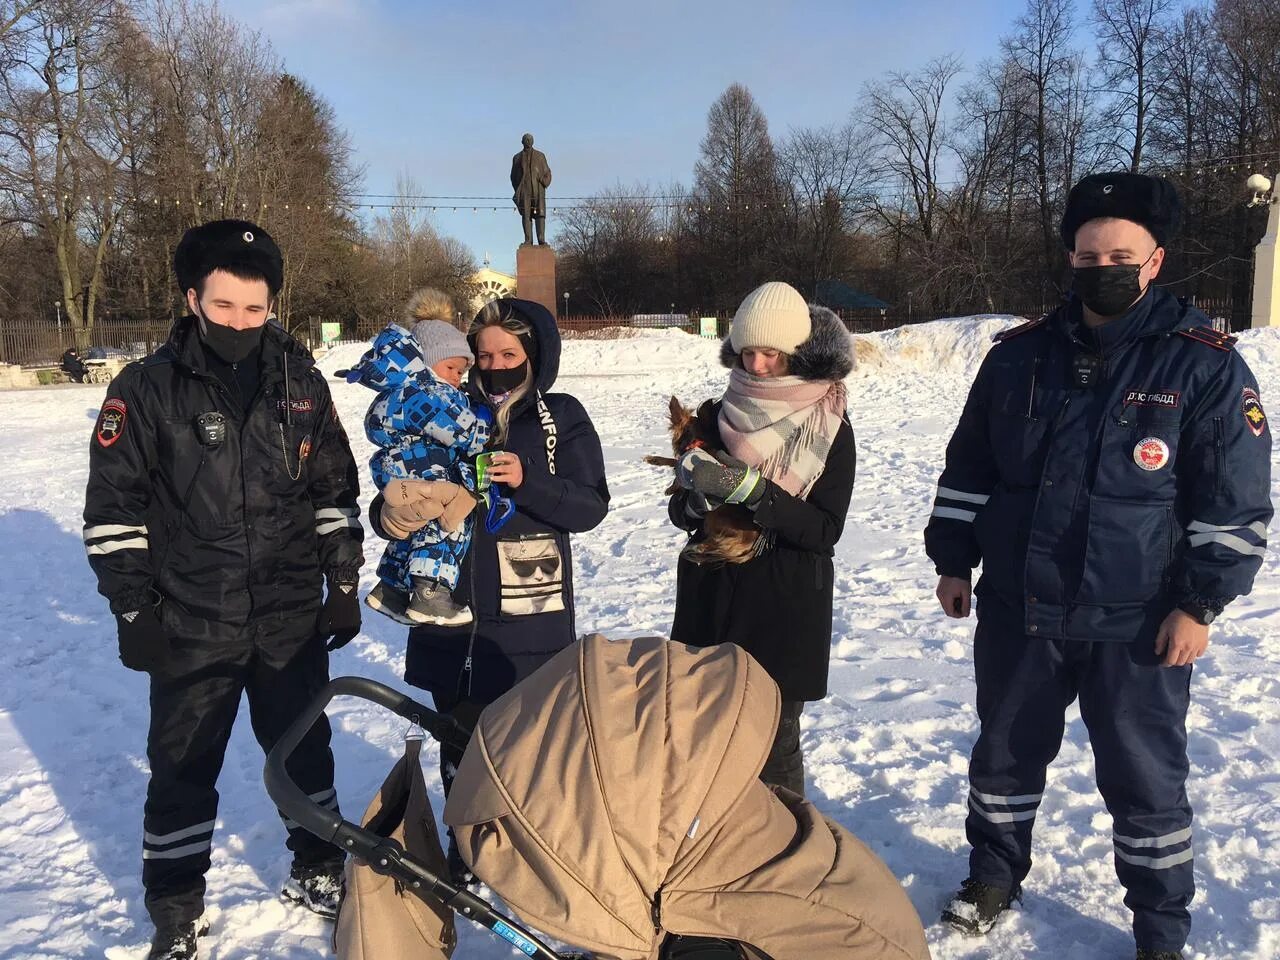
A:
(612, 801)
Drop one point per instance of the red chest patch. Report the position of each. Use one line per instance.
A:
(1151, 453)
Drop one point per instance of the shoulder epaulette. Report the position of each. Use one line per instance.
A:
(1019, 329)
(1210, 337)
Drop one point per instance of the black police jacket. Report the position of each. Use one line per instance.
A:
(1101, 479)
(222, 514)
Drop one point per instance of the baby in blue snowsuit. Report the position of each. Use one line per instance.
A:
(425, 429)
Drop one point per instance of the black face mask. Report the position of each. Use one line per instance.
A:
(228, 343)
(1109, 291)
(498, 382)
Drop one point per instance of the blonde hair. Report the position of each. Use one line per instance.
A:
(495, 313)
(428, 303)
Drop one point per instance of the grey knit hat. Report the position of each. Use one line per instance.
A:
(438, 341)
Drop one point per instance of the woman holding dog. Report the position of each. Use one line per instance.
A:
(778, 444)
(545, 456)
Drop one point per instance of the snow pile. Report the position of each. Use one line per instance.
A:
(956, 345)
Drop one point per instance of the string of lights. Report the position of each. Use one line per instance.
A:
(629, 204)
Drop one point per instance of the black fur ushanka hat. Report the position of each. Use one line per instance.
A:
(1150, 201)
(227, 245)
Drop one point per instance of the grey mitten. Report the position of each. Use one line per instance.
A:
(720, 476)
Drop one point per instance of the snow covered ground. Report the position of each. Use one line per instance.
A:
(887, 751)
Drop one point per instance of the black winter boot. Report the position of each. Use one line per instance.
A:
(177, 942)
(977, 906)
(319, 887)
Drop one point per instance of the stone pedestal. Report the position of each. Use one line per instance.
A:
(1266, 273)
(536, 275)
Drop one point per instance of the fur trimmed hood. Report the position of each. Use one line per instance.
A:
(827, 354)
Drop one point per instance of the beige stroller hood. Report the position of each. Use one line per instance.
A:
(612, 797)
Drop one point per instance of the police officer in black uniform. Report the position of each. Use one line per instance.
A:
(221, 499)
(1111, 473)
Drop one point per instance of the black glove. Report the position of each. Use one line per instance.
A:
(339, 619)
(727, 479)
(143, 644)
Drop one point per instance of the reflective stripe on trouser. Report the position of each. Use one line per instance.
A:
(192, 713)
(1135, 712)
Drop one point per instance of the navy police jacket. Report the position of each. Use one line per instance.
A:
(1103, 477)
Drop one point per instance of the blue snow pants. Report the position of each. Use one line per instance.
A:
(1135, 710)
(432, 551)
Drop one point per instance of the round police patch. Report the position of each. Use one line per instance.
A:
(1151, 453)
(111, 421)
(1254, 416)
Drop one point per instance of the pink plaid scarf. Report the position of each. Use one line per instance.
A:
(783, 425)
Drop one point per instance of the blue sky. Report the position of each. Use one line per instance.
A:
(611, 91)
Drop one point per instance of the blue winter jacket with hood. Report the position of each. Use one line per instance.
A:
(1096, 509)
(423, 427)
(519, 581)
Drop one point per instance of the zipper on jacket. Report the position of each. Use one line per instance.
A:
(655, 913)
(1219, 456)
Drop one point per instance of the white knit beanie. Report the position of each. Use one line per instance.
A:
(438, 341)
(772, 316)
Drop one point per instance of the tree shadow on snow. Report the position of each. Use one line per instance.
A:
(81, 715)
(83, 718)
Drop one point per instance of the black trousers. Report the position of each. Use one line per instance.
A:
(194, 703)
(467, 713)
(785, 763)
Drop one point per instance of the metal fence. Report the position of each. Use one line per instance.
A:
(42, 344)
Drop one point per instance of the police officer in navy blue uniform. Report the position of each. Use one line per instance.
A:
(221, 501)
(1111, 473)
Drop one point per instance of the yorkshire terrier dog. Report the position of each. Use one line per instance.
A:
(729, 535)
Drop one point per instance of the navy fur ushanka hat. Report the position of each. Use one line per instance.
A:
(1150, 201)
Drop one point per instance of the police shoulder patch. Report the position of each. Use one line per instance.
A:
(111, 419)
(1021, 328)
(1210, 337)
(1254, 416)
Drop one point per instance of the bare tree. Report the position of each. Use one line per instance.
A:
(905, 117)
(1039, 51)
(825, 176)
(64, 137)
(1133, 37)
(614, 250)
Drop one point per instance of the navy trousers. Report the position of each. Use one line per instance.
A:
(1135, 710)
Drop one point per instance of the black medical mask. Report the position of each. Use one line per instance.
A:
(498, 382)
(228, 343)
(1109, 290)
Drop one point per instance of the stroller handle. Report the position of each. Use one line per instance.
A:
(291, 799)
(384, 855)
